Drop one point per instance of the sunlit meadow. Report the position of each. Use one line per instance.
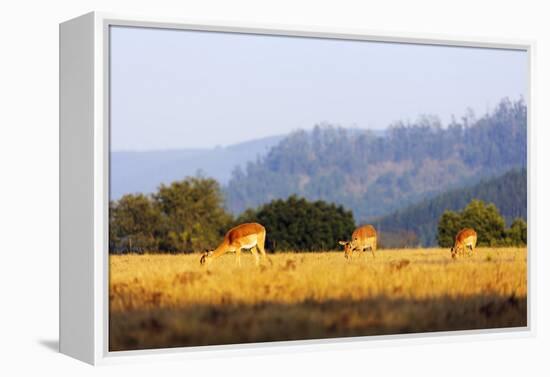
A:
(171, 300)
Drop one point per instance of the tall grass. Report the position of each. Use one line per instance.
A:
(170, 300)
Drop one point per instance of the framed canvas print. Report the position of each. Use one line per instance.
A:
(243, 187)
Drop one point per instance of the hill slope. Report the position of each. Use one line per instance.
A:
(143, 172)
(508, 192)
(375, 175)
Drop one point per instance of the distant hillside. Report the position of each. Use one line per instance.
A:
(375, 175)
(143, 172)
(508, 192)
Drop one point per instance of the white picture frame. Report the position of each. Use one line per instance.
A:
(84, 193)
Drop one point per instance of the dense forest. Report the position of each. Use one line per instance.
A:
(507, 192)
(373, 174)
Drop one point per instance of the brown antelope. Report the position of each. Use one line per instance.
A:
(466, 238)
(362, 238)
(243, 236)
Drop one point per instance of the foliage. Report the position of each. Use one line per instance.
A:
(188, 216)
(134, 223)
(487, 222)
(375, 174)
(378, 176)
(194, 214)
(517, 234)
(508, 192)
(297, 224)
(183, 216)
(448, 226)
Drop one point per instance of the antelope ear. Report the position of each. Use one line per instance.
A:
(343, 243)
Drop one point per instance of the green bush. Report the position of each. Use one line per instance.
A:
(487, 222)
(299, 225)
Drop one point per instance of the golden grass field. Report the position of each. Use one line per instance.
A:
(159, 301)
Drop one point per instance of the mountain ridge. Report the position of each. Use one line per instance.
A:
(373, 175)
(143, 171)
(508, 192)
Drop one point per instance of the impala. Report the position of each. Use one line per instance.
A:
(465, 239)
(362, 239)
(244, 236)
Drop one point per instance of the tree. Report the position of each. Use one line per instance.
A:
(299, 225)
(134, 224)
(448, 226)
(184, 216)
(486, 220)
(194, 216)
(517, 234)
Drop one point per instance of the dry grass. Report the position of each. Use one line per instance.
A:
(159, 301)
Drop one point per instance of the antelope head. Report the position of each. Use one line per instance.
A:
(453, 252)
(347, 248)
(205, 256)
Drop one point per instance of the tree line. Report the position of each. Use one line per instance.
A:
(189, 216)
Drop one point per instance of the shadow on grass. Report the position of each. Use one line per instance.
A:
(233, 323)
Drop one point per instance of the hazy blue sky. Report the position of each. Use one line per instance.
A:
(180, 89)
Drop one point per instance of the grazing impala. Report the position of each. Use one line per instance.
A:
(244, 236)
(362, 238)
(466, 238)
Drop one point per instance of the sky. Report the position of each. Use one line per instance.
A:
(174, 89)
